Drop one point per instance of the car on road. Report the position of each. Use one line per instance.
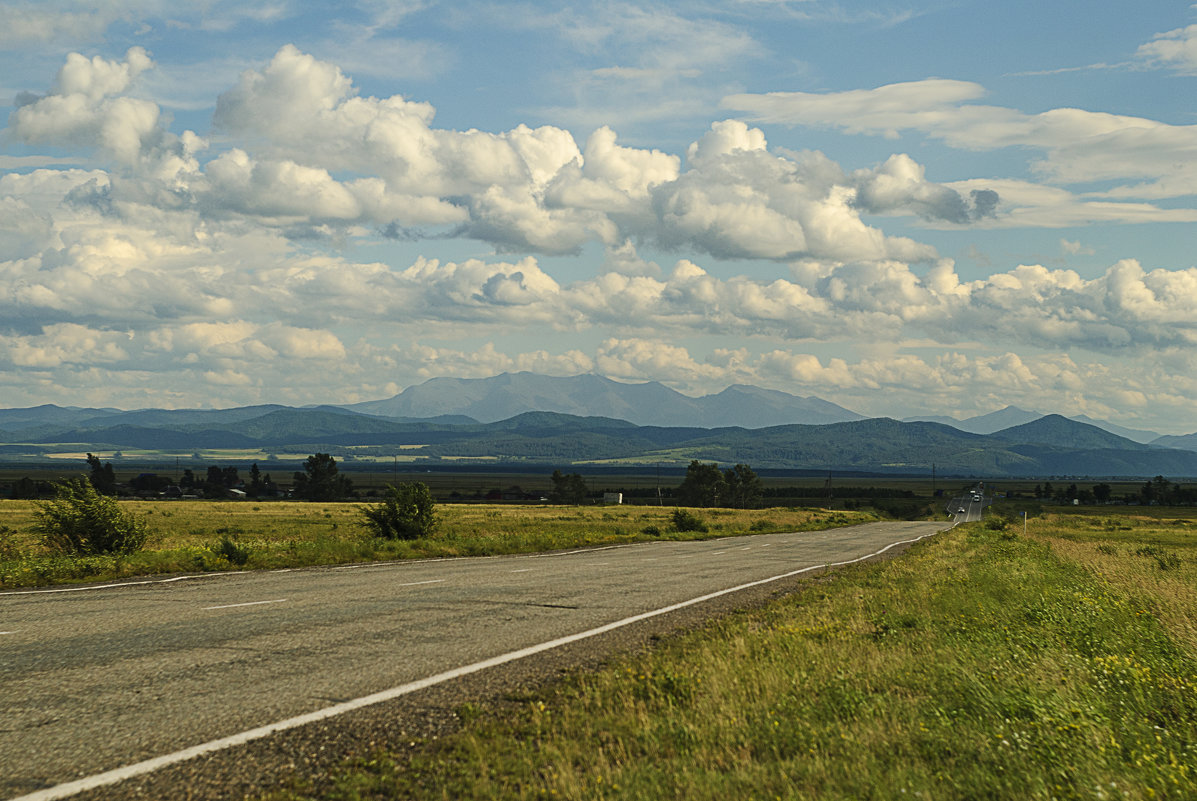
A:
(960, 511)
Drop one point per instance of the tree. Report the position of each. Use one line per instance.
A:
(1163, 490)
(220, 480)
(82, 521)
(568, 489)
(256, 485)
(704, 485)
(320, 480)
(1102, 492)
(744, 489)
(26, 489)
(149, 482)
(102, 477)
(407, 512)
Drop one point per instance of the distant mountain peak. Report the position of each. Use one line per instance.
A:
(1056, 429)
(591, 395)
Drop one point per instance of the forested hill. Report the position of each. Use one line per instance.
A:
(1052, 446)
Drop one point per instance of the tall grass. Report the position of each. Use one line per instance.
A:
(981, 665)
(187, 536)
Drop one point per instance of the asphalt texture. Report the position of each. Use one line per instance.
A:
(103, 677)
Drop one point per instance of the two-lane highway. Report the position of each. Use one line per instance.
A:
(97, 679)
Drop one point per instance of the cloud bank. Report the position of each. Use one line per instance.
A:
(223, 263)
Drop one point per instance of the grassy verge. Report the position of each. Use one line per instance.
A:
(202, 536)
(981, 665)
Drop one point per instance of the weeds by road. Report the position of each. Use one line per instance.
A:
(187, 536)
(982, 664)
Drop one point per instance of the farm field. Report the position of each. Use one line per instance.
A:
(982, 664)
(190, 536)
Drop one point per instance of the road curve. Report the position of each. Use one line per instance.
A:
(100, 678)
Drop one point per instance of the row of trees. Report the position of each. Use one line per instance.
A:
(1158, 491)
(706, 485)
(320, 480)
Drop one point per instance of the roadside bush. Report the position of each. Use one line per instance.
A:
(8, 548)
(82, 521)
(230, 550)
(996, 523)
(1166, 560)
(407, 512)
(688, 521)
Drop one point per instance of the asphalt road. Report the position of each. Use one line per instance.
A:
(973, 509)
(98, 678)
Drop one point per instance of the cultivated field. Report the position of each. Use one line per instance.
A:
(206, 535)
(982, 664)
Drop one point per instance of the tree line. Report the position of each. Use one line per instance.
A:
(320, 480)
(704, 485)
(1157, 491)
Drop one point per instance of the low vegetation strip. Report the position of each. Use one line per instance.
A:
(982, 664)
(199, 536)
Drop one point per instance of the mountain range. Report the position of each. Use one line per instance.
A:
(1014, 416)
(456, 420)
(489, 400)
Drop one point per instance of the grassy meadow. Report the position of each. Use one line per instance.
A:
(188, 536)
(982, 664)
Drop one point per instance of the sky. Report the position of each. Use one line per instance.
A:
(907, 208)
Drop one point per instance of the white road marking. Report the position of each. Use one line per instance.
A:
(68, 789)
(523, 570)
(418, 583)
(123, 584)
(251, 603)
(119, 585)
(10, 632)
(716, 553)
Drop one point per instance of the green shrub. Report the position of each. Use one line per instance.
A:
(231, 551)
(82, 521)
(688, 521)
(407, 512)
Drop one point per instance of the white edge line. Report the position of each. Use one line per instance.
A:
(148, 766)
(250, 603)
(87, 587)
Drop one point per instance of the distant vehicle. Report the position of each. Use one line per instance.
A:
(960, 511)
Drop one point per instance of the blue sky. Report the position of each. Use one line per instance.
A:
(905, 208)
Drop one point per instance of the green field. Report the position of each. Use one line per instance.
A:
(188, 536)
(983, 664)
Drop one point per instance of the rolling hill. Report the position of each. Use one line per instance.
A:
(1050, 446)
